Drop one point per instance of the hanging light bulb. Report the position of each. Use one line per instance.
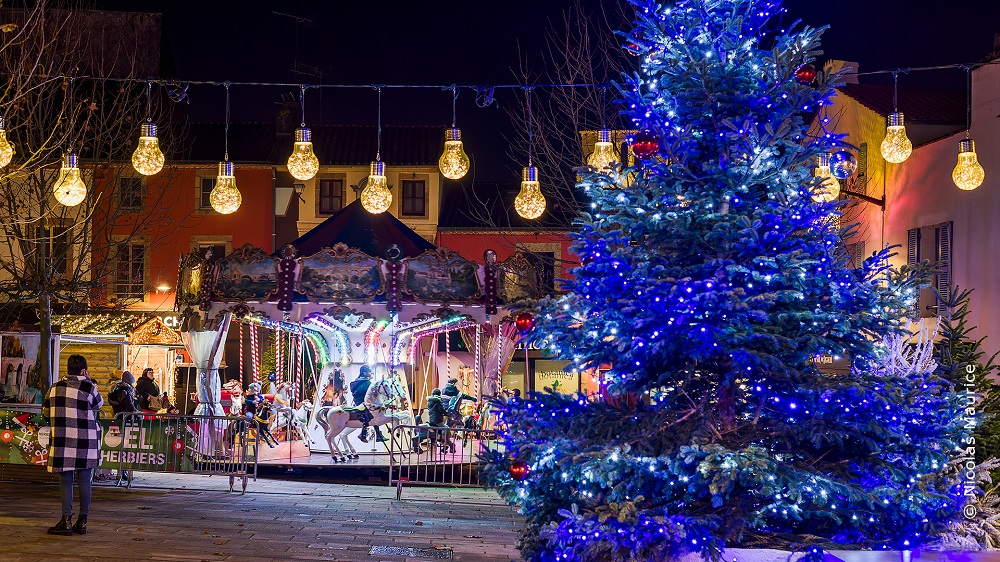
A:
(376, 197)
(6, 148)
(896, 147)
(604, 155)
(454, 163)
(968, 173)
(147, 158)
(530, 203)
(69, 188)
(829, 187)
(303, 164)
(225, 198)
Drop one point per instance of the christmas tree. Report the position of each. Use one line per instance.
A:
(713, 275)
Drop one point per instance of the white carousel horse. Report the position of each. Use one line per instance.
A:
(385, 400)
(300, 419)
(282, 406)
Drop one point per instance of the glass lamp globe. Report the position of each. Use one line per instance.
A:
(454, 163)
(604, 155)
(69, 188)
(828, 188)
(376, 197)
(147, 158)
(6, 148)
(530, 203)
(302, 163)
(896, 147)
(968, 173)
(225, 198)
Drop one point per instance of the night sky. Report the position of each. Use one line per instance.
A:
(470, 42)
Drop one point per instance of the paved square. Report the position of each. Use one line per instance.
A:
(188, 517)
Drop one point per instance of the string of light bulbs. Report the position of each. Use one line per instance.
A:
(148, 160)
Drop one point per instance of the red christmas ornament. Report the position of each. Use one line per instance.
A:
(645, 144)
(518, 470)
(524, 322)
(805, 74)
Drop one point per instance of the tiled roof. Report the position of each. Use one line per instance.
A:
(480, 205)
(333, 144)
(917, 105)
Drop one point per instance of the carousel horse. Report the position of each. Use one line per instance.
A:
(300, 420)
(386, 403)
(282, 406)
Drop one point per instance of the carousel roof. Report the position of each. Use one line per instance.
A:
(359, 229)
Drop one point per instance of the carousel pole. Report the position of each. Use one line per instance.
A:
(479, 372)
(241, 354)
(298, 367)
(447, 354)
(255, 352)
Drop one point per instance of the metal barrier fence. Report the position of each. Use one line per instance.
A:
(438, 456)
(214, 445)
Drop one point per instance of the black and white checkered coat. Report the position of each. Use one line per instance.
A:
(71, 406)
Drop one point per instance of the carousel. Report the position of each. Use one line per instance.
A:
(311, 329)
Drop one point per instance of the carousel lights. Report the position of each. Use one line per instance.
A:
(372, 338)
(302, 163)
(311, 335)
(339, 337)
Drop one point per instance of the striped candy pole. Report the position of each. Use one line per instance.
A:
(298, 367)
(476, 374)
(255, 352)
(241, 353)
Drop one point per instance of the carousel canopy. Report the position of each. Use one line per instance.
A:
(361, 230)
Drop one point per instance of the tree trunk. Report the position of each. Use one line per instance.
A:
(45, 367)
(727, 407)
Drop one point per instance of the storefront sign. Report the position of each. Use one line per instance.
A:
(550, 375)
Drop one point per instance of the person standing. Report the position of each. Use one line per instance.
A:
(147, 388)
(75, 443)
(123, 397)
(123, 400)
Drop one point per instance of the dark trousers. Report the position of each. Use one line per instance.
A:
(83, 479)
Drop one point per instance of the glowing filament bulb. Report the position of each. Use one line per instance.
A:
(303, 164)
(69, 188)
(454, 163)
(604, 155)
(147, 158)
(375, 197)
(225, 198)
(6, 148)
(968, 173)
(530, 203)
(896, 147)
(829, 187)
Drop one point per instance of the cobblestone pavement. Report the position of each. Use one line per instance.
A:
(173, 517)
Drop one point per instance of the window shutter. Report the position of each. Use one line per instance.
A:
(944, 262)
(912, 246)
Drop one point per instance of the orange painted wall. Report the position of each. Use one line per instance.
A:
(471, 245)
(172, 217)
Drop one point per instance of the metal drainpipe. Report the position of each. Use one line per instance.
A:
(274, 209)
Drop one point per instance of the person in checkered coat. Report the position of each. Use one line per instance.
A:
(75, 444)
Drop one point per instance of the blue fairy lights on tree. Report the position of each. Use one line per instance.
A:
(713, 274)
